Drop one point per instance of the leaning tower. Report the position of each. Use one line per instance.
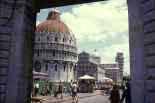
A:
(120, 60)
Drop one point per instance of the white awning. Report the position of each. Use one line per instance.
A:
(107, 79)
(40, 75)
(87, 77)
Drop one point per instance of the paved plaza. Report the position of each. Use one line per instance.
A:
(93, 99)
(96, 97)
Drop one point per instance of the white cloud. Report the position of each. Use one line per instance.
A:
(94, 20)
(102, 21)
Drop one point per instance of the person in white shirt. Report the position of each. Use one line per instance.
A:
(74, 92)
(36, 89)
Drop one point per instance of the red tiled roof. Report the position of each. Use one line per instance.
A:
(53, 24)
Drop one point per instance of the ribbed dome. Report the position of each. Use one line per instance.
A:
(53, 23)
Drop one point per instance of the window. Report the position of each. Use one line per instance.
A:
(53, 53)
(56, 38)
(71, 68)
(64, 68)
(56, 67)
(48, 38)
(65, 54)
(70, 41)
(63, 40)
(37, 52)
(37, 66)
(46, 67)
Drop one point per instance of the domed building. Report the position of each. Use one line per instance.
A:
(55, 49)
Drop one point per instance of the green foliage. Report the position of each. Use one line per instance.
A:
(126, 78)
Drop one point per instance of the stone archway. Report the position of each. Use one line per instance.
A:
(17, 25)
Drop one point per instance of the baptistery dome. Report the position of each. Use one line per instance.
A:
(53, 23)
(55, 50)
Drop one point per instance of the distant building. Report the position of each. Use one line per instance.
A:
(112, 71)
(89, 65)
(55, 51)
(120, 60)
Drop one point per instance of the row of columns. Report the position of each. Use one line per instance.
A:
(54, 54)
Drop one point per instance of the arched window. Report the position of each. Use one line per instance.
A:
(37, 66)
(48, 38)
(37, 52)
(56, 67)
(64, 68)
(71, 66)
(56, 39)
(63, 40)
(70, 41)
(53, 53)
(46, 67)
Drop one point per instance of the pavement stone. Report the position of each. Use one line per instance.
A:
(52, 99)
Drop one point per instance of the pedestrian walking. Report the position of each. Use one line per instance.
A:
(46, 90)
(126, 94)
(61, 89)
(36, 89)
(115, 95)
(56, 91)
(65, 90)
(74, 92)
(69, 88)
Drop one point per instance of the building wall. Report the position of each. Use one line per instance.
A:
(57, 54)
(17, 25)
(110, 65)
(113, 73)
(136, 42)
(86, 68)
(100, 73)
(89, 65)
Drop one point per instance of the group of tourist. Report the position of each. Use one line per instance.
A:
(70, 89)
(115, 96)
(39, 89)
(57, 89)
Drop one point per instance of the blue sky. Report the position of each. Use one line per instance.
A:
(101, 25)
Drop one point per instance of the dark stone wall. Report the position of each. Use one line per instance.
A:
(136, 43)
(17, 23)
(142, 49)
(149, 49)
